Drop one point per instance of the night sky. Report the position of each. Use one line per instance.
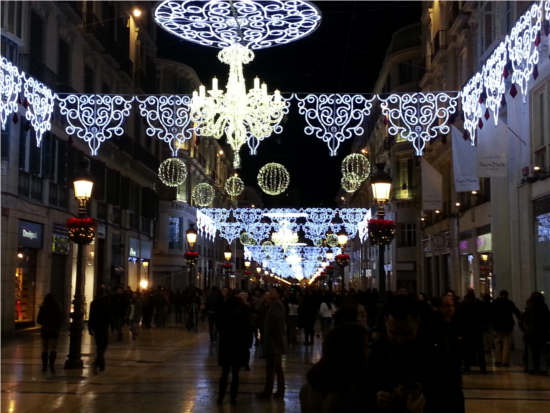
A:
(344, 55)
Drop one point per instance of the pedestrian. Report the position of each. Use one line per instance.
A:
(291, 305)
(407, 370)
(274, 344)
(119, 305)
(210, 306)
(337, 382)
(98, 326)
(235, 340)
(472, 316)
(307, 314)
(50, 320)
(326, 313)
(134, 314)
(177, 303)
(535, 324)
(502, 313)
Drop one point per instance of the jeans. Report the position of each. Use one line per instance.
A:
(503, 346)
(274, 367)
(537, 357)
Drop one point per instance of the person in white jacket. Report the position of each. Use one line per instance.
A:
(326, 311)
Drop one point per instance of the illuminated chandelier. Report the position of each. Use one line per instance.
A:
(284, 237)
(243, 117)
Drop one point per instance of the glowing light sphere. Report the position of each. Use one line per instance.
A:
(273, 178)
(172, 172)
(350, 182)
(246, 239)
(234, 186)
(332, 240)
(357, 164)
(203, 194)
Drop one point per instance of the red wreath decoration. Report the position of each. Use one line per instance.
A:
(246, 272)
(81, 230)
(342, 259)
(329, 269)
(191, 257)
(227, 266)
(381, 231)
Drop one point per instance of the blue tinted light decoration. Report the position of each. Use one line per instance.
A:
(333, 118)
(418, 117)
(351, 218)
(220, 23)
(95, 118)
(10, 89)
(173, 229)
(522, 51)
(39, 111)
(167, 119)
(206, 225)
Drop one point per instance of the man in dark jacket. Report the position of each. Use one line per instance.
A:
(98, 326)
(410, 371)
(502, 317)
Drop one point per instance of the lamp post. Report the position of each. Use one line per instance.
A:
(227, 254)
(191, 237)
(381, 185)
(342, 240)
(83, 184)
(259, 275)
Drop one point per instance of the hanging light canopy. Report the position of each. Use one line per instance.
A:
(273, 178)
(172, 172)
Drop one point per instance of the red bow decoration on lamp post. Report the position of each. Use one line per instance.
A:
(81, 230)
(381, 231)
(342, 259)
(191, 257)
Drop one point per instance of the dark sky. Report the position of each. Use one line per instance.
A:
(344, 55)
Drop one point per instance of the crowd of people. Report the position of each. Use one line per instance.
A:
(391, 353)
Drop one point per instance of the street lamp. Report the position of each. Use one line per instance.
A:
(330, 255)
(191, 236)
(191, 257)
(342, 239)
(81, 234)
(381, 185)
(227, 254)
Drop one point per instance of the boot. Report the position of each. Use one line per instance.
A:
(53, 356)
(44, 361)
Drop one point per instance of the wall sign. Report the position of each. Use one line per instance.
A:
(29, 234)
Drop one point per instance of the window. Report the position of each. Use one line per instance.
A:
(403, 188)
(407, 235)
(488, 25)
(540, 129)
(11, 12)
(64, 66)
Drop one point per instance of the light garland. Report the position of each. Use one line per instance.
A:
(172, 172)
(273, 178)
(471, 104)
(493, 79)
(95, 118)
(41, 100)
(284, 236)
(10, 88)
(255, 24)
(419, 117)
(234, 186)
(350, 182)
(203, 194)
(237, 114)
(334, 118)
(357, 164)
(522, 50)
(168, 119)
(205, 225)
(173, 229)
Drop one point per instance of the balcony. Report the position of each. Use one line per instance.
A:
(38, 70)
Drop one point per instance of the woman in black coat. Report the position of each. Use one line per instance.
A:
(49, 318)
(235, 340)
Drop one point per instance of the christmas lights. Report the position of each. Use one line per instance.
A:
(334, 118)
(522, 51)
(357, 164)
(418, 117)
(172, 172)
(381, 231)
(236, 114)
(234, 186)
(273, 178)
(493, 79)
(203, 194)
(256, 24)
(95, 118)
(39, 111)
(168, 119)
(205, 225)
(471, 105)
(173, 229)
(350, 182)
(10, 88)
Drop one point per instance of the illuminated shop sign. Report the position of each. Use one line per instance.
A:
(484, 243)
(29, 234)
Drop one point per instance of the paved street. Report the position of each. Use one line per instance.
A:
(171, 370)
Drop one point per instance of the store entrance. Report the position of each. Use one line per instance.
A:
(25, 288)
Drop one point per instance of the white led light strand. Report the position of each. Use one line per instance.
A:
(10, 89)
(95, 118)
(205, 225)
(523, 52)
(418, 117)
(203, 194)
(168, 119)
(471, 105)
(351, 218)
(334, 118)
(238, 115)
(256, 24)
(173, 229)
(493, 79)
(234, 186)
(41, 101)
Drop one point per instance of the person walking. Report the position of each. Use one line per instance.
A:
(307, 315)
(471, 316)
(503, 311)
(235, 340)
(535, 324)
(134, 314)
(274, 344)
(50, 320)
(210, 306)
(326, 313)
(98, 326)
